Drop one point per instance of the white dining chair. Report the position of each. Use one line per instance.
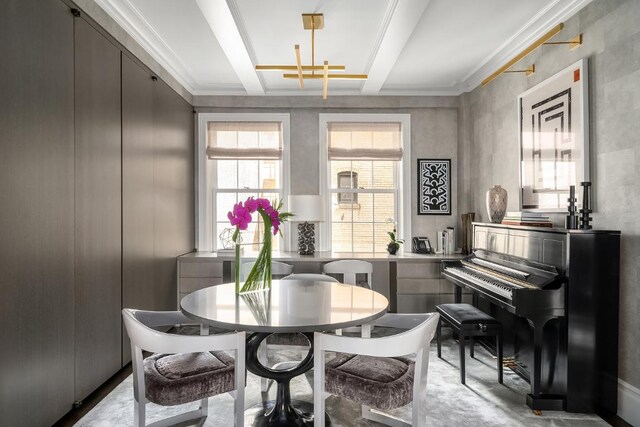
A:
(395, 381)
(349, 268)
(278, 269)
(183, 368)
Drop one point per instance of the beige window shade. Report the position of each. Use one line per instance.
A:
(368, 141)
(244, 140)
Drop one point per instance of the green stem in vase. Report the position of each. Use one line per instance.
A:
(260, 275)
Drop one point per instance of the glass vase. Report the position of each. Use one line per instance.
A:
(259, 278)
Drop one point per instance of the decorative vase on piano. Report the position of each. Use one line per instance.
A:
(496, 203)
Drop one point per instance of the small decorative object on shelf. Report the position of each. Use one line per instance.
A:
(394, 244)
(571, 221)
(527, 219)
(308, 209)
(467, 233)
(585, 219)
(260, 275)
(496, 203)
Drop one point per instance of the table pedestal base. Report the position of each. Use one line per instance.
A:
(260, 415)
(283, 411)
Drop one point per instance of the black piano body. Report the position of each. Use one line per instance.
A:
(556, 293)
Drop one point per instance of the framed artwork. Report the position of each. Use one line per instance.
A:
(434, 186)
(554, 139)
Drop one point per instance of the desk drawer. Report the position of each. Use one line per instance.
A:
(194, 284)
(415, 270)
(418, 286)
(201, 269)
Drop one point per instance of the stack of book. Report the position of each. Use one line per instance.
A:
(531, 219)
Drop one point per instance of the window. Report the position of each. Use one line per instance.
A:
(245, 155)
(362, 159)
(348, 179)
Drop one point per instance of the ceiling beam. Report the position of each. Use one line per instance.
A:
(402, 18)
(224, 27)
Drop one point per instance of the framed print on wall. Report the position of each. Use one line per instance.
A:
(434, 186)
(554, 139)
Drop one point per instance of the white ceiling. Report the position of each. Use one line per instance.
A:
(408, 47)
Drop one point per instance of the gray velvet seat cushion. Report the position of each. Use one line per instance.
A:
(174, 379)
(380, 382)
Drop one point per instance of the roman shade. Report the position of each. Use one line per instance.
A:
(244, 140)
(366, 141)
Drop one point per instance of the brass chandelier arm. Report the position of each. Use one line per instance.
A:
(325, 79)
(329, 76)
(295, 67)
(299, 66)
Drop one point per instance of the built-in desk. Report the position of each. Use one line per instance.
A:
(411, 282)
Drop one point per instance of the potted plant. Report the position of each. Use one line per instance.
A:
(395, 243)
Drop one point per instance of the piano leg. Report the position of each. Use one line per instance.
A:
(457, 294)
(499, 354)
(536, 400)
(462, 355)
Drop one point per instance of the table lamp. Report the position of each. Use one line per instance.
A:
(307, 209)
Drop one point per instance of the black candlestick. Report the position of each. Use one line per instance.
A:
(585, 219)
(571, 221)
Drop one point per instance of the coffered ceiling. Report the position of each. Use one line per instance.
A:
(408, 47)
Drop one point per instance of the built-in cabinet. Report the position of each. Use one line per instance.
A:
(37, 212)
(157, 192)
(98, 228)
(97, 192)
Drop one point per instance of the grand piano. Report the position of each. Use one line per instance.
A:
(556, 293)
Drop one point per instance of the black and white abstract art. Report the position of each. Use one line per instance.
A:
(554, 141)
(434, 187)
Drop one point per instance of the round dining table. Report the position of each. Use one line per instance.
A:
(299, 306)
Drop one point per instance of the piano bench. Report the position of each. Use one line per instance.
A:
(469, 322)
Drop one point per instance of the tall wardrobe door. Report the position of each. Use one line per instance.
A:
(36, 218)
(138, 284)
(174, 188)
(98, 209)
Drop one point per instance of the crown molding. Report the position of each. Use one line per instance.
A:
(556, 12)
(132, 21)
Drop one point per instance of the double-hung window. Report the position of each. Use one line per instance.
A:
(365, 173)
(245, 156)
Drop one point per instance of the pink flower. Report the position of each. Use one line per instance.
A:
(263, 203)
(251, 204)
(276, 225)
(240, 217)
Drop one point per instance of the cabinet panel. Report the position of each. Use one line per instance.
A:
(191, 285)
(426, 270)
(201, 269)
(411, 303)
(137, 194)
(174, 224)
(418, 286)
(97, 209)
(36, 224)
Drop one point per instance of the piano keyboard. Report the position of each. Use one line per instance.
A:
(492, 283)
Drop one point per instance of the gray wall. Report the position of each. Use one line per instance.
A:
(489, 135)
(434, 134)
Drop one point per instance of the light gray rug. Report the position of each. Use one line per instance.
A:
(481, 402)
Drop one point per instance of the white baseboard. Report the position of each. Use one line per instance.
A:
(628, 403)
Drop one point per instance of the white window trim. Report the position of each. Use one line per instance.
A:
(404, 181)
(204, 202)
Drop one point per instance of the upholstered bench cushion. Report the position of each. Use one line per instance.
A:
(380, 382)
(464, 314)
(174, 379)
(288, 339)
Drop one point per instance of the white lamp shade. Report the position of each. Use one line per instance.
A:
(309, 208)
